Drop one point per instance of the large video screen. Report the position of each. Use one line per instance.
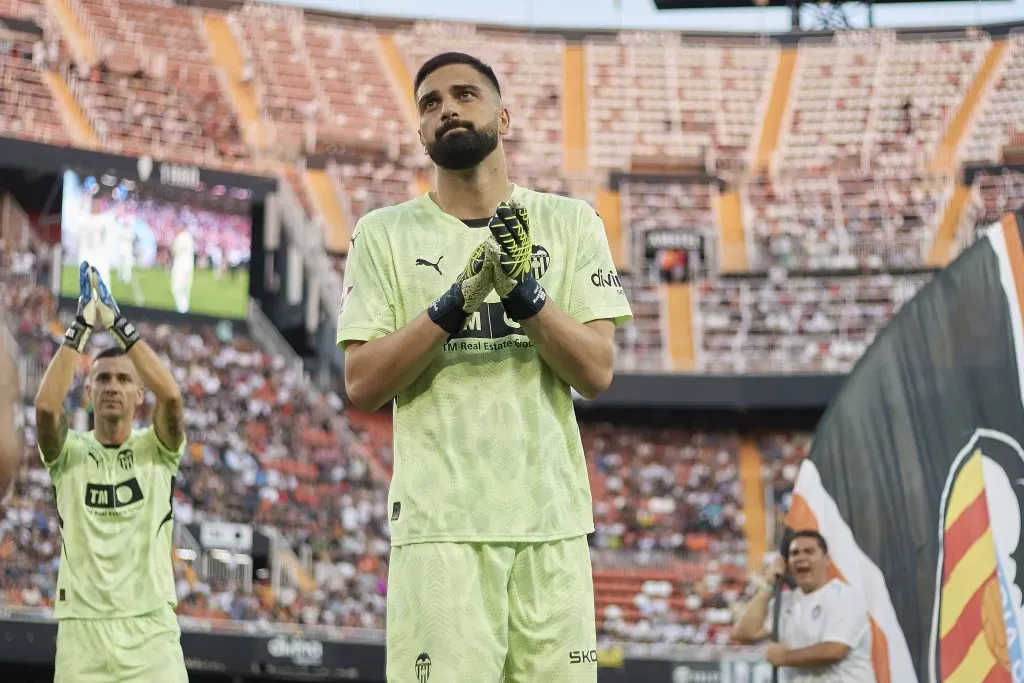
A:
(161, 247)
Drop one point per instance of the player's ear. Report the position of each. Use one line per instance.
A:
(504, 120)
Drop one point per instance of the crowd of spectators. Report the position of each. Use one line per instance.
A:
(796, 324)
(264, 451)
(665, 490)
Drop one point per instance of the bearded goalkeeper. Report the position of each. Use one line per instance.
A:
(490, 503)
(113, 486)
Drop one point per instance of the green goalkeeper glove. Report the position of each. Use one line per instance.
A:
(80, 329)
(465, 295)
(510, 248)
(110, 314)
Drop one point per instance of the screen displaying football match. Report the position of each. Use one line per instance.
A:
(174, 249)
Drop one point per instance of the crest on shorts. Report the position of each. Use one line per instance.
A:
(423, 667)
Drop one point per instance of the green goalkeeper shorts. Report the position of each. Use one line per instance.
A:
(143, 649)
(489, 612)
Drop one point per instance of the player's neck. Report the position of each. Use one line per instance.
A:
(112, 431)
(476, 192)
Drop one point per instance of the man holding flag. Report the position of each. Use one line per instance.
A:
(824, 633)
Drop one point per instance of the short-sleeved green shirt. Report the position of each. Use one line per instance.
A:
(116, 522)
(486, 445)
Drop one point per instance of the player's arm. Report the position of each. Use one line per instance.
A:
(169, 416)
(582, 354)
(377, 370)
(578, 343)
(10, 444)
(382, 359)
(51, 420)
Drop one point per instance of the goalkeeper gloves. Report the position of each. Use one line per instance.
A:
(109, 314)
(465, 295)
(78, 333)
(509, 248)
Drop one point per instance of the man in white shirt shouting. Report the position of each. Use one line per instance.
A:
(824, 632)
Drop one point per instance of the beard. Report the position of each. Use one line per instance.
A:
(465, 149)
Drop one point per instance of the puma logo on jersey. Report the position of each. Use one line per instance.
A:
(435, 266)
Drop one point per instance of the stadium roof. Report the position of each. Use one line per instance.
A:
(738, 4)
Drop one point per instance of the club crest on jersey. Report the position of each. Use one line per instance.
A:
(423, 667)
(126, 459)
(540, 260)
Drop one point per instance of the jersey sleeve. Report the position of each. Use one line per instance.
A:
(597, 293)
(846, 620)
(73, 448)
(367, 310)
(170, 458)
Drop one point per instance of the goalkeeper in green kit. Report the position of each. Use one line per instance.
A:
(113, 487)
(478, 307)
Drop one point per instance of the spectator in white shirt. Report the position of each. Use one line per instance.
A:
(824, 633)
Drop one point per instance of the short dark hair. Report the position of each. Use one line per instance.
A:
(112, 352)
(805, 533)
(449, 58)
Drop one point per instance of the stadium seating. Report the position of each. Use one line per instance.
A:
(155, 91)
(1000, 118)
(875, 104)
(797, 324)
(27, 108)
(993, 195)
(650, 96)
(316, 78)
(366, 185)
(31, 10)
(845, 221)
(850, 187)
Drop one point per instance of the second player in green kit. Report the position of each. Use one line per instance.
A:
(478, 308)
(113, 487)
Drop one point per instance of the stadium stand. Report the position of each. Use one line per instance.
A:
(27, 109)
(154, 90)
(795, 324)
(651, 96)
(849, 201)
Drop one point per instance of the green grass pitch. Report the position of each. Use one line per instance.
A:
(224, 298)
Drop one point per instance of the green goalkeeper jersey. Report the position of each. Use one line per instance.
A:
(116, 525)
(486, 446)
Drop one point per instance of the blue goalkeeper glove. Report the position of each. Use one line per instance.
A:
(510, 248)
(78, 333)
(110, 317)
(466, 295)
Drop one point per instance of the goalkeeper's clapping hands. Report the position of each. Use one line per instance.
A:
(80, 329)
(466, 295)
(109, 314)
(509, 249)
